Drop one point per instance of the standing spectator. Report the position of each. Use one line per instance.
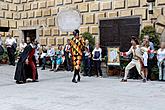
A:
(145, 44)
(87, 71)
(51, 54)
(97, 59)
(77, 44)
(67, 54)
(150, 56)
(87, 63)
(11, 48)
(59, 55)
(22, 46)
(37, 48)
(161, 61)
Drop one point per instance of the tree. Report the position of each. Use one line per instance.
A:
(154, 37)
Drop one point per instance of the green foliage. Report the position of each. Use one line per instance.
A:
(91, 39)
(149, 30)
(4, 57)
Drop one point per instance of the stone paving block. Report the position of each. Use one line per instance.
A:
(27, 23)
(83, 7)
(51, 3)
(40, 31)
(94, 29)
(161, 2)
(112, 14)
(55, 31)
(51, 41)
(12, 24)
(161, 20)
(30, 0)
(42, 4)
(19, 23)
(47, 12)
(59, 40)
(159, 29)
(143, 2)
(43, 41)
(54, 11)
(27, 6)
(125, 12)
(146, 23)
(5, 6)
(12, 7)
(77, 1)
(31, 14)
(67, 1)
(118, 4)
(88, 18)
(2, 15)
(84, 29)
(42, 21)
(8, 14)
(47, 32)
(34, 5)
(51, 21)
(4, 23)
(24, 15)
(107, 5)
(59, 2)
(38, 13)
(15, 32)
(16, 16)
(23, 1)
(20, 7)
(16, 1)
(10, 1)
(133, 3)
(98, 16)
(94, 6)
(34, 22)
(142, 12)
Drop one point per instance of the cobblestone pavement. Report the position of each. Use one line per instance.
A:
(54, 91)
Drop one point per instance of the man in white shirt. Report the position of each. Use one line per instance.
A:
(11, 47)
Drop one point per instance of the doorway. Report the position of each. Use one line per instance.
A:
(29, 33)
(117, 32)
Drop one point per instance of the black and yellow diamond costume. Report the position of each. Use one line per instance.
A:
(77, 44)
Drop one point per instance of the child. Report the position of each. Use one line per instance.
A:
(161, 61)
(97, 59)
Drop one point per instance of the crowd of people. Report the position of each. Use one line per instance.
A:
(78, 52)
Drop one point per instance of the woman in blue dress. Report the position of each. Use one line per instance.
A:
(59, 57)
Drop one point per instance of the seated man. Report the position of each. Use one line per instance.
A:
(51, 54)
(43, 57)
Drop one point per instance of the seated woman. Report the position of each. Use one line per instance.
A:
(59, 57)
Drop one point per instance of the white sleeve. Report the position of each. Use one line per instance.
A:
(129, 52)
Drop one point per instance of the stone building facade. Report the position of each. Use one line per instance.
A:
(31, 14)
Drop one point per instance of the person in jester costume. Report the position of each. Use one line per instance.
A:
(77, 45)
